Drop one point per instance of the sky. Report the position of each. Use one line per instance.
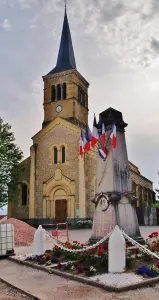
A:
(116, 45)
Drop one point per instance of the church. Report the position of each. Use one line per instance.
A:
(56, 184)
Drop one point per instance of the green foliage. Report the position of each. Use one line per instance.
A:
(10, 157)
(155, 204)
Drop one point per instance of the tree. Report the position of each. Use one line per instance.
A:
(10, 157)
(157, 190)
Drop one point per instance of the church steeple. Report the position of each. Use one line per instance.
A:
(66, 59)
(65, 89)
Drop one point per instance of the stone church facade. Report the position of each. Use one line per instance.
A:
(56, 184)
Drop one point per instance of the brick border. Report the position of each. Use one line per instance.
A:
(18, 289)
(109, 288)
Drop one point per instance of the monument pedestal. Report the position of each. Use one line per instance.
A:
(114, 200)
(115, 209)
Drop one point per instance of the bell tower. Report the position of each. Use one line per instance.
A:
(65, 89)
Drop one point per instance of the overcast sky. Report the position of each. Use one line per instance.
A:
(116, 45)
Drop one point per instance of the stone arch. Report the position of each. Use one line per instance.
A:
(23, 193)
(59, 151)
(59, 188)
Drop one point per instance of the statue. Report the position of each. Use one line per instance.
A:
(114, 200)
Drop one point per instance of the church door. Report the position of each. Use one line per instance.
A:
(60, 211)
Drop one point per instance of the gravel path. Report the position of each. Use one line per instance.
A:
(8, 293)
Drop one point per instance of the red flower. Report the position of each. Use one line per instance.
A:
(134, 250)
(105, 247)
(90, 253)
(136, 256)
(100, 252)
(126, 245)
(153, 234)
(75, 242)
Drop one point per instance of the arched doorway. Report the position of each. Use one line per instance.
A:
(59, 198)
(60, 211)
(61, 205)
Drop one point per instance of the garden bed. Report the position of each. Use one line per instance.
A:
(74, 260)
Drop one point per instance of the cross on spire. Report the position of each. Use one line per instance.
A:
(65, 4)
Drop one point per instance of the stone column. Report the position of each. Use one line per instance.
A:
(114, 198)
(32, 184)
(82, 189)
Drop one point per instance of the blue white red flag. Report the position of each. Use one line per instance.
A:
(113, 135)
(95, 135)
(87, 140)
(103, 135)
(81, 144)
(103, 153)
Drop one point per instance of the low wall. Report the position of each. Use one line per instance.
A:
(36, 222)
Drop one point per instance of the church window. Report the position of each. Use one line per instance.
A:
(79, 94)
(82, 97)
(58, 92)
(53, 93)
(24, 194)
(64, 93)
(55, 155)
(63, 155)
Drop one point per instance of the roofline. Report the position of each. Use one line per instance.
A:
(68, 72)
(65, 120)
(24, 160)
(133, 164)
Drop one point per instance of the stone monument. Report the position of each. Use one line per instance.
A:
(114, 200)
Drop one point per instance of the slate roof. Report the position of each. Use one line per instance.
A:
(66, 59)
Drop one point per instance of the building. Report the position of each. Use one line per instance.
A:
(56, 185)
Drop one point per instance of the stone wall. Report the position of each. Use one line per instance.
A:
(70, 106)
(15, 209)
(59, 135)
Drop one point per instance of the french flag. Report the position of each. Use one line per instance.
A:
(95, 135)
(87, 140)
(81, 144)
(103, 135)
(103, 153)
(113, 135)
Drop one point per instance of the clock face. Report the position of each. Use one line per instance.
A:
(58, 108)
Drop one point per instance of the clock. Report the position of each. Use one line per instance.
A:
(58, 108)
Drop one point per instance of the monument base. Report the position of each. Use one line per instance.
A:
(94, 240)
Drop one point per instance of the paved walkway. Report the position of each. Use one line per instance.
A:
(51, 287)
(83, 236)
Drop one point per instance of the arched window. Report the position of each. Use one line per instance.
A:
(134, 187)
(64, 92)
(82, 97)
(140, 193)
(55, 155)
(63, 155)
(24, 194)
(58, 92)
(79, 94)
(53, 96)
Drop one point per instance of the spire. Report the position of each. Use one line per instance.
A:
(66, 59)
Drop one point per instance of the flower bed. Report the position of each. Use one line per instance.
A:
(95, 261)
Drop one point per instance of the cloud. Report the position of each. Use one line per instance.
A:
(6, 25)
(155, 45)
(116, 46)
